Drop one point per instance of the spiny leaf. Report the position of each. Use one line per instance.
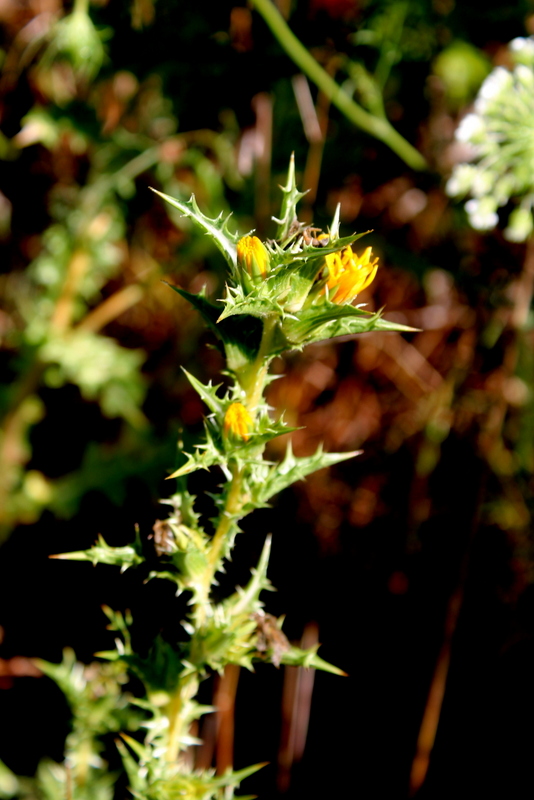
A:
(9, 785)
(102, 553)
(241, 338)
(295, 657)
(201, 459)
(235, 778)
(130, 765)
(353, 325)
(208, 393)
(299, 250)
(183, 509)
(282, 293)
(244, 599)
(216, 228)
(161, 668)
(218, 449)
(293, 469)
(289, 203)
(261, 304)
(139, 749)
(203, 786)
(326, 320)
(334, 227)
(292, 285)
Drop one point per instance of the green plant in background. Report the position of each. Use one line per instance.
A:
(498, 173)
(281, 294)
(75, 40)
(368, 115)
(498, 135)
(98, 137)
(462, 68)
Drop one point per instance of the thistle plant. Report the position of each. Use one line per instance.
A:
(281, 295)
(499, 136)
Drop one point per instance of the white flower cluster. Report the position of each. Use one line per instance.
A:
(500, 133)
(523, 50)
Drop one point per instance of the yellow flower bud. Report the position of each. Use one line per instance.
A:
(237, 421)
(252, 256)
(349, 274)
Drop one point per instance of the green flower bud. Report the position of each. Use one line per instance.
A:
(523, 50)
(520, 225)
(504, 188)
(482, 213)
(75, 39)
(252, 260)
(461, 180)
(483, 183)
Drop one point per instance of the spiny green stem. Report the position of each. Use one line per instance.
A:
(391, 44)
(187, 688)
(232, 507)
(375, 126)
(253, 383)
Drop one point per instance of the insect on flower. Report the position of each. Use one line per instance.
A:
(163, 536)
(270, 639)
(308, 235)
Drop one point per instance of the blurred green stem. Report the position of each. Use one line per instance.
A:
(390, 47)
(81, 7)
(95, 193)
(377, 127)
(15, 423)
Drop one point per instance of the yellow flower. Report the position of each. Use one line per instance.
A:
(349, 274)
(252, 256)
(237, 421)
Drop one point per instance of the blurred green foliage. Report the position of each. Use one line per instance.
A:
(96, 139)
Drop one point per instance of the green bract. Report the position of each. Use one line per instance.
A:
(277, 299)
